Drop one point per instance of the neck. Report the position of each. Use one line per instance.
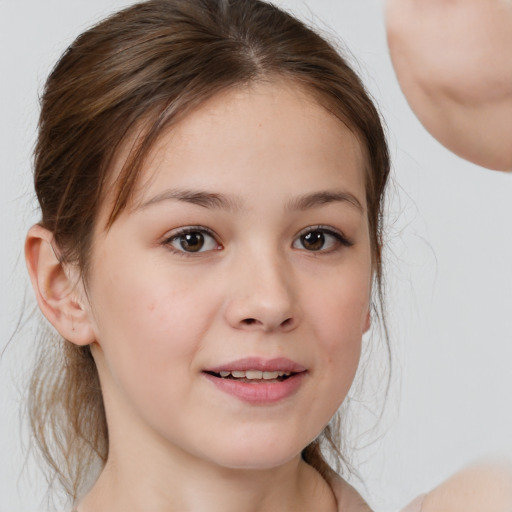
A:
(146, 479)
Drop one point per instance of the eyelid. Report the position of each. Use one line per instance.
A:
(176, 233)
(340, 237)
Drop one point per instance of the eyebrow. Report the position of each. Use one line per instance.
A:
(212, 200)
(316, 199)
(205, 199)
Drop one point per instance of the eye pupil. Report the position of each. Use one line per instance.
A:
(192, 242)
(313, 241)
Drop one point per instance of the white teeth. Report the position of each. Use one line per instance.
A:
(254, 374)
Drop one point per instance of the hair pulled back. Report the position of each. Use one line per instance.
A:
(143, 69)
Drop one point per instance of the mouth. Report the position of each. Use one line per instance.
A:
(257, 369)
(253, 376)
(258, 381)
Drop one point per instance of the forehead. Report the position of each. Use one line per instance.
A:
(266, 132)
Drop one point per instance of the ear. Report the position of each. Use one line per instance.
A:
(368, 322)
(57, 288)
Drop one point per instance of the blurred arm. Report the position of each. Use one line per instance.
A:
(453, 59)
(480, 488)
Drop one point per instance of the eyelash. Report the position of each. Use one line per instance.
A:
(340, 239)
(179, 233)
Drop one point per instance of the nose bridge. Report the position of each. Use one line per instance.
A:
(262, 294)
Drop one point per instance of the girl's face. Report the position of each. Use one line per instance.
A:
(229, 300)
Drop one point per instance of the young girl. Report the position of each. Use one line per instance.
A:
(211, 176)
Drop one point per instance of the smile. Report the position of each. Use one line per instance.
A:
(253, 375)
(258, 381)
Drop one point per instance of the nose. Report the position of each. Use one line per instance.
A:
(262, 295)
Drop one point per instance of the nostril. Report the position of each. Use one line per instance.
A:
(268, 324)
(251, 321)
(286, 323)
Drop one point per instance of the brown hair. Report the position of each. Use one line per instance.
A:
(150, 65)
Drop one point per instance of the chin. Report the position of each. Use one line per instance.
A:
(259, 456)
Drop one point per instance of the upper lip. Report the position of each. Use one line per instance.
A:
(257, 363)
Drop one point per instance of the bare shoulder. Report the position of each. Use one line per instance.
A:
(481, 487)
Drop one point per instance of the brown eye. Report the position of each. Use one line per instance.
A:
(192, 241)
(320, 239)
(313, 241)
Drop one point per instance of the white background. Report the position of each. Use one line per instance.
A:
(449, 263)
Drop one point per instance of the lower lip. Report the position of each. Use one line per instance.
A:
(259, 392)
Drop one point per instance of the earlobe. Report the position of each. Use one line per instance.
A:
(56, 291)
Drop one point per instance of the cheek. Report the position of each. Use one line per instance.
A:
(339, 310)
(150, 320)
(150, 333)
(339, 316)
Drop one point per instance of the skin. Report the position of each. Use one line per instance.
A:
(484, 487)
(156, 316)
(452, 60)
